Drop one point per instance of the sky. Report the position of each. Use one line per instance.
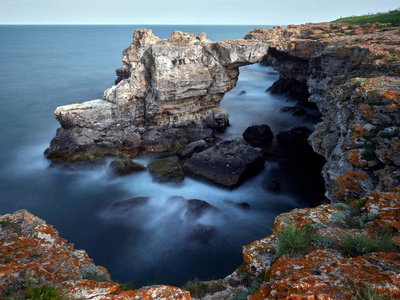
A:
(240, 12)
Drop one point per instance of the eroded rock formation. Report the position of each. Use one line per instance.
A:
(167, 95)
(352, 74)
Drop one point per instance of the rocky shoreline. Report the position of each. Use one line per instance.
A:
(167, 96)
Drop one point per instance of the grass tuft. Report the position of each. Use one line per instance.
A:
(292, 241)
(369, 293)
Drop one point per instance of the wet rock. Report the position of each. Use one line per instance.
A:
(195, 209)
(311, 119)
(295, 140)
(202, 233)
(273, 151)
(293, 110)
(130, 203)
(293, 88)
(258, 135)
(242, 92)
(166, 169)
(124, 166)
(194, 147)
(274, 185)
(227, 163)
(241, 205)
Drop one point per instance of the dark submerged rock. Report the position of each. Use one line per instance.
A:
(241, 205)
(124, 166)
(295, 137)
(227, 163)
(130, 203)
(202, 233)
(196, 208)
(274, 185)
(242, 92)
(293, 110)
(166, 169)
(258, 135)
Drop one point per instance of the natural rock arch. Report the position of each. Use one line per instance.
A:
(167, 94)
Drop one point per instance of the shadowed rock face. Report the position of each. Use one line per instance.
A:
(167, 94)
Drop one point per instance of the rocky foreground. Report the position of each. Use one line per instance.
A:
(168, 95)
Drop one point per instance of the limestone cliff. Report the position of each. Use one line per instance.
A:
(352, 76)
(167, 94)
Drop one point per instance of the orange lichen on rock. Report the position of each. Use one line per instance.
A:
(258, 255)
(301, 217)
(391, 95)
(32, 249)
(386, 205)
(349, 185)
(354, 156)
(366, 111)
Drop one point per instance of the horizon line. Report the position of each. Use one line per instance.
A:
(50, 24)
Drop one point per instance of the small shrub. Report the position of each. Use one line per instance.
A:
(292, 241)
(368, 154)
(386, 135)
(361, 244)
(340, 217)
(43, 292)
(393, 59)
(369, 293)
(127, 286)
(355, 245)
(380, 56)
(321, 241)
(91, 272)
(374, 217)
(198, 289)
(340, 205)
(350, 200)
(19, 284)
(244, 295)
(4, 223)
(38, 292)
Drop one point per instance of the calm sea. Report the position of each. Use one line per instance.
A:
(43, 67)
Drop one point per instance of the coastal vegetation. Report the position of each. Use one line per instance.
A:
(392, 18)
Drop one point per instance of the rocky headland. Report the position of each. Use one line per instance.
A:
(167, 96)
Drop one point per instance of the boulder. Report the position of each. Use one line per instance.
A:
(124, 166)
(258, 135)
(194, 147)
(241, 205)
(227, 163)
(242, 92)
(130, 203)
(294, 139)
(196, 208)
(166, 169)
(293, 110)
(274, 185)
(202, 233)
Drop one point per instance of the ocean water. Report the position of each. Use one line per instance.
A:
(48, 66)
